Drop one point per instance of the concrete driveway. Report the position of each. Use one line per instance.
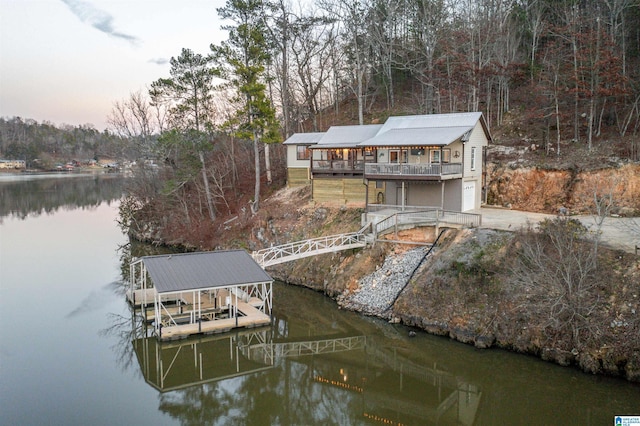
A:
(618, 233)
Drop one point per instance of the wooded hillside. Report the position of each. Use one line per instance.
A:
(557, 78)
(570, 66)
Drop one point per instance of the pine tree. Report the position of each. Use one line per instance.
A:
(187, 93)
(241, 61)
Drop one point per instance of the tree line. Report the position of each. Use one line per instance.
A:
(29, 140)
(577, 58)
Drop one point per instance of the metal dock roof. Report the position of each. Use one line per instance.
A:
(191, 271)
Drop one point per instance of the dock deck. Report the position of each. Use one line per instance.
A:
(182, 331)
(213, 312)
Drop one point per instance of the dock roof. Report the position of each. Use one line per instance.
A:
(202, 270)
(434, 136)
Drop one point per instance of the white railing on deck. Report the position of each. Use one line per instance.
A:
(431, 216)
(407, 169)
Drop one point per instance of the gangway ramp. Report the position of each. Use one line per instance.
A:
(374, 228)
(306, 248)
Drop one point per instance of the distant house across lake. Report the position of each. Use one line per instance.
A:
(12, 164)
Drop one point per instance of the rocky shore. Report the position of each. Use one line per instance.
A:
(464, 291)
(377, 291)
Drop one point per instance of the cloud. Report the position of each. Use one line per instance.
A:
(159, 61)
(98, 19)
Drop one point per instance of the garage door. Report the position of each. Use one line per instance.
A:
(469, 196)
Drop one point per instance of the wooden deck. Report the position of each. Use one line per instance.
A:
(182, 331)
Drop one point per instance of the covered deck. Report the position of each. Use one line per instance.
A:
(200, 293)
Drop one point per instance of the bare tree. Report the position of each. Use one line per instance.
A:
(352, 15)
(312, 39)
(557, 265)
(138, 120)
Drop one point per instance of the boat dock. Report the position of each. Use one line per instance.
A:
(200, 293)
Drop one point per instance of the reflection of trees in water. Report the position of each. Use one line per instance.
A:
(124, 330)
(24, 197)
(286, 394)
(198, 405)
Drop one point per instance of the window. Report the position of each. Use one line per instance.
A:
(303, 152)
(440, 156)
(473, 158)
(446, 155)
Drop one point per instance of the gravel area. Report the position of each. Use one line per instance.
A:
(378, 290)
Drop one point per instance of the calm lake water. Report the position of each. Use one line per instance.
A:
(72, 352)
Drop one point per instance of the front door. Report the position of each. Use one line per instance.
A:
(468, 196)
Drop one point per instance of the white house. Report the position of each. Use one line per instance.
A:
(434, 160)
(12, 164)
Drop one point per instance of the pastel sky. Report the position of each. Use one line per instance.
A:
(68, 61)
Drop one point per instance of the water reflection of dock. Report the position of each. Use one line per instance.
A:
(389, 387)
(169, 366)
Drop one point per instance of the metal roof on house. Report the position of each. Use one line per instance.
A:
(430, 129)
(408, 130)
(458, 119)
(347, 136)
(304, 138)
(438, 136)
(192, 271)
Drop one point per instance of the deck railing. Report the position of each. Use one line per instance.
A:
(405, 169)
(427, 216)
(337, 165)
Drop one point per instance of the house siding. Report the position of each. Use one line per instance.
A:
(292, 158)
(298, 172)
(298, 177)
(377, 195)
(339, 190)
(478, 140)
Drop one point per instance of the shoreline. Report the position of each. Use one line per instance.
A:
(479, 319)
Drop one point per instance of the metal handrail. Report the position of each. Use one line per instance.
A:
(305, 248)
(333, 243)
(413, 272)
